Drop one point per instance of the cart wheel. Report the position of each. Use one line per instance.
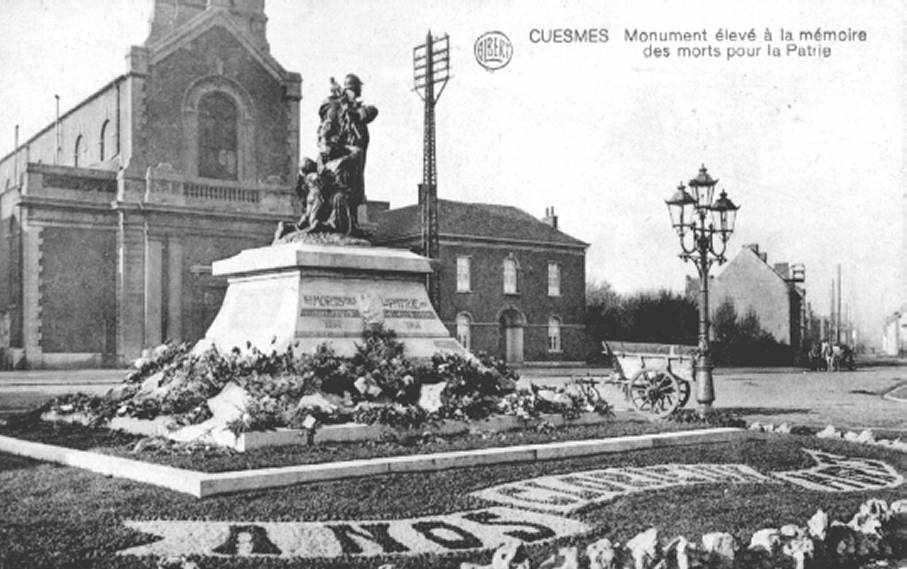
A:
(684, 386)
(655, 393)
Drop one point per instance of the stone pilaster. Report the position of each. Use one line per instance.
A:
(293, 96)
(174, 329)
(153, 291)
(31, 295)
(133, 112)
(130, 286)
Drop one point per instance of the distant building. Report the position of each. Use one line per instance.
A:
(110, 217)
(770, 291)
(894, 332)
(511, 285)
(894, 335)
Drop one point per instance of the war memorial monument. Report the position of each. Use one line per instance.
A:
(321, 280)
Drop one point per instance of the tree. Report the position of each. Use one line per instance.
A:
(724, 322)
(603, 311)
(749, 329)
(647, 316)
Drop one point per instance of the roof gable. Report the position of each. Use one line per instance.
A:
(750, 261)
(207, 20)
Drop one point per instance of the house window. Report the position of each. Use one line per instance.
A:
(463, 276)
(554, 334)
(463, 326)
(511, 271)
(217, 136)
(77, 151)
(554, 279)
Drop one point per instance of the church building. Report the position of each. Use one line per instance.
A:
(111, 216)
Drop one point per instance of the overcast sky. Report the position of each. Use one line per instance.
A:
(810, 147)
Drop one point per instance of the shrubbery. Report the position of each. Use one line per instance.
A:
(741, 341)
(661, 317)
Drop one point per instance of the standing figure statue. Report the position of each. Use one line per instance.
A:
(332, 187)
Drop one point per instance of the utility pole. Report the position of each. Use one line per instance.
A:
(832, 330)
(58, 136)
(838, 310)
(16, 156)
(431, 67)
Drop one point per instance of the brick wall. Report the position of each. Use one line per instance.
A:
(201, 293)
(486, 301)
(78, 290)
(11, 279)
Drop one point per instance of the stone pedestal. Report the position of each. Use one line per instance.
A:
(308, 294)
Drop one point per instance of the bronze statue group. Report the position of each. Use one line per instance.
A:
(332, 186)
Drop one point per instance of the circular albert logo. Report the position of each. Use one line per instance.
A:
(493, 50)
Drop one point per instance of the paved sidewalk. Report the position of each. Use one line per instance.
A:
(61, 377)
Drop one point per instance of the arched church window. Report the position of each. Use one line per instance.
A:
(217, 136)
(106, 141)
(77, 151)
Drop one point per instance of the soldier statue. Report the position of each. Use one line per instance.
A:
(332, 187)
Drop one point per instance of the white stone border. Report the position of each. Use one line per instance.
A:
(866, 436)
(347, 432)
(203, 484)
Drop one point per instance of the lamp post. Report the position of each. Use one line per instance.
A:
(704, 227)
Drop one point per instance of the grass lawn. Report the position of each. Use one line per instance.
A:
(52, 516)
(219, 460)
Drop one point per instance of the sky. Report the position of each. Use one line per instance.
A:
(811, 147)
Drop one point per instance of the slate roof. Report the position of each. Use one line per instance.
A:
(476, 220)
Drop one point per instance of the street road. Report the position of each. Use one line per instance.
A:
(23, 390)
(851, 400)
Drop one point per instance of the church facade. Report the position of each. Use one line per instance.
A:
(112, 215)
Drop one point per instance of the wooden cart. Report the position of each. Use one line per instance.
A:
(655, 378)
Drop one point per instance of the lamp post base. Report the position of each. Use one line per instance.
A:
(705, 389)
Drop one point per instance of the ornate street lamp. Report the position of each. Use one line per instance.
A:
(704, 227)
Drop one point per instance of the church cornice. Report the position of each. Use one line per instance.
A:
(194, 211)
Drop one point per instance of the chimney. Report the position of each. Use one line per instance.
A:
(550, 217)
(783, 269)
(754, 247)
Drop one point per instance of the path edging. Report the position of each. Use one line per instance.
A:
(204, 484)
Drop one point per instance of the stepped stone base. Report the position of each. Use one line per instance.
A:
(303, 294)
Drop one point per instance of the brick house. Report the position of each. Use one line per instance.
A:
(770, 291)
(511, 285)
(111, 216)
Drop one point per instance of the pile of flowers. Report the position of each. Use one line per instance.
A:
(378, 384)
